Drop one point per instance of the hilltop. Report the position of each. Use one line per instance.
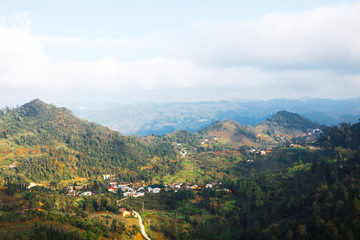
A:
(288, 120)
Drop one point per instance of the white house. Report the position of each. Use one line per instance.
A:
(156, 190)
(86, 193)
(106, 176)
(113, 184)
(209, 185)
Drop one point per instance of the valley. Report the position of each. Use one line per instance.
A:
(285, 177)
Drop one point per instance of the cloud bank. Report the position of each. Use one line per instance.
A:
(313, 53)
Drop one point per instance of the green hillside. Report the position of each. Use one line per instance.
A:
(231, 131)
(47, 143)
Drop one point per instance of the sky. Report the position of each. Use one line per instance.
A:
(165, 51)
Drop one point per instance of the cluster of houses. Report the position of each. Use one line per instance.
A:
(211, 139)
(175, 187)
(129, 191)
(260, 152)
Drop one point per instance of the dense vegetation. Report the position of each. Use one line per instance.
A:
(50, 143)
(289, 193)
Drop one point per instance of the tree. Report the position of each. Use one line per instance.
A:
(113, 225)
(301, 233)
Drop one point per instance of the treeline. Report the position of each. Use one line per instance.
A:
(345, 135)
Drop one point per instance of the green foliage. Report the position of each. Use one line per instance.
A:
(71, 147)
(344, 135)
(45, 232)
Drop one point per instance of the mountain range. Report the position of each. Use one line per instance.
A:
(147, 118)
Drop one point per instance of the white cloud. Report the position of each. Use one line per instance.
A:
(324, 37)
(305, 53)
(56, 41)
(22, 59)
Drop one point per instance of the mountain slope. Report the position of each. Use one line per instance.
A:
(50, 143)
(232, 132)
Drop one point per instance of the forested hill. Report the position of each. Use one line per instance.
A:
(290, 120)
(232, 131)
(47, 142)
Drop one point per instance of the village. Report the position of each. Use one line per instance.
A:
(134, 190)
(129, 190)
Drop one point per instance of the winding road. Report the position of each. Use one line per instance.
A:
(142, 228)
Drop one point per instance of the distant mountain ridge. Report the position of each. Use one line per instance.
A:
(147, 118)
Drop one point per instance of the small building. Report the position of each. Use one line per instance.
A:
(106, 176)
(88, 193)
(13, 165)
(209, 185)
(126, 213)
(156, 190)
(114, 183)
